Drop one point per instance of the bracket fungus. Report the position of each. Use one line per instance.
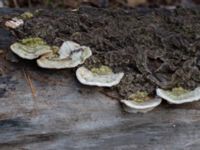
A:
(30, 48)
(179, 95)
(140, 102)
(18, 21)
(102, 76)
(69, 55)
(14, 23)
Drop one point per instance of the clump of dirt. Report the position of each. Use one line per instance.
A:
(153, 47)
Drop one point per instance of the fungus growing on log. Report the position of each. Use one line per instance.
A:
(69, 55)
(179, 95)
(102, 76)
(140, 102)
(30, 48)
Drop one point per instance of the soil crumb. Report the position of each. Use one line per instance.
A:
(153, 47)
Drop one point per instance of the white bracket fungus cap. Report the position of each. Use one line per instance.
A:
(87, 77)
(69, 55)
(179, 95)
(14, 23)
(137, 104)
(30, 48)
(66, 49)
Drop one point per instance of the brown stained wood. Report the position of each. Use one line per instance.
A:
(72, 116)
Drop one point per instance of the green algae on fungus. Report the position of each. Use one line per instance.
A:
(179, 95)
(26, 15)
(139, 97)
(140, 102)
(69, 55)
(102, 70)
(178, 91)
(31, 48)
(102, 77)
(32, 42)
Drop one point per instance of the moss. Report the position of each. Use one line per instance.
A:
(179, 91)
(139, 97)
(26, 15)
(33, 42)
(102, 70)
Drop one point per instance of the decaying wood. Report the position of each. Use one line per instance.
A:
(73, 116)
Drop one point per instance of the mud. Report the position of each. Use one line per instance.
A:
(154, 48)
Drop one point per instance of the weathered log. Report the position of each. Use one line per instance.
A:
(43, 109)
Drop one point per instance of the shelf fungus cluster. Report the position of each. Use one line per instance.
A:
(69, 55)
(140, 102)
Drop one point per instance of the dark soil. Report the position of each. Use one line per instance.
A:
(154, 48)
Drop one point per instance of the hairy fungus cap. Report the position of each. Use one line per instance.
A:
(179, 95)
(30, 48)
(102, 77)
(14, 23)
(69, 55)
(140, 102)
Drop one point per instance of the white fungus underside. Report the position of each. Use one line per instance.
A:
(134, 107)
(29, 52)
(185, 98)
(86, 77)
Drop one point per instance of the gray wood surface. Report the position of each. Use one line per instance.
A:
(65, 115)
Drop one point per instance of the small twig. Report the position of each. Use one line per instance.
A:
(33, 91)
(32, 86)
(29, 81)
